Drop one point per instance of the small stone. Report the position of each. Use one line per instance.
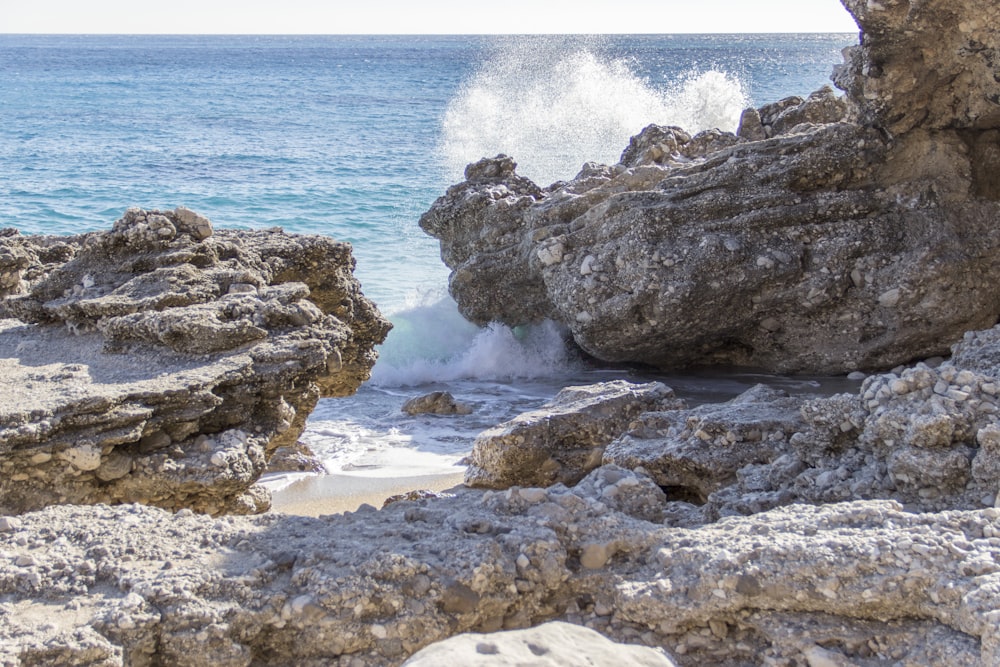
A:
(533, 495)
(595, 556)
(899, 387)
(114, 466)
(9, 524)
(719, 628)
(84, 457)
(889, 298)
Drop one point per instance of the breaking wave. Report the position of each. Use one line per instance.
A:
(553, 108)
(432, 343)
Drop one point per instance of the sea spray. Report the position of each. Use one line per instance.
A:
(433, 343)
(554, 103)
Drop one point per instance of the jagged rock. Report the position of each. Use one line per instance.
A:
(927, 437)
(820, 108)
(553, 644)
(435, 403)
(931, 64)
(859, 234)
(693, 453)
(978, 351)
(847, 583)
(162, 362)
(564, 439)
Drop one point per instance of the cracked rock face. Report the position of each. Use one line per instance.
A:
(829, 234)
(162, 362)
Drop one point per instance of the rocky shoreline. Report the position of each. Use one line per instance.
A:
(152, 370)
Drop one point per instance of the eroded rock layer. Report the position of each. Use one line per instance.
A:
(162, 362)
(854, 583)
(829, 234)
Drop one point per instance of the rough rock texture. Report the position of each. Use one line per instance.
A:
(162, 362)
(435, 403)
(553, 644)
(860, 583)
(831, 234)
(926, 437)
(693, 453)
(564, 439)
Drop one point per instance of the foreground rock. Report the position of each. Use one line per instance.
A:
(854, 583)
(162, 362)
(564, 439)
(554, 644)
(829, 235)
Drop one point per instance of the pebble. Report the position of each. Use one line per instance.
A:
(9, 523)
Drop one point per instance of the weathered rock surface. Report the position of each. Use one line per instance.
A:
(855, 583)
(926, 437)
(831, 234)
(564, 439)
(693, 453)
(162, 362)
(553, 644)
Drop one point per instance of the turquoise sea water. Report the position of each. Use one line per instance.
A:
(354, 137)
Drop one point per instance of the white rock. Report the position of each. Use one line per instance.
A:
(554, 644)
(84, 457)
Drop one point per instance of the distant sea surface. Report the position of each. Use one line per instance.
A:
(354, 137)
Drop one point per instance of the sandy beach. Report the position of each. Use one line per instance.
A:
(333, 494)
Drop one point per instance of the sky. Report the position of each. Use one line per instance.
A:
(421, 16)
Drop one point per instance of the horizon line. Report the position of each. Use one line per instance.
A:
(412, 34)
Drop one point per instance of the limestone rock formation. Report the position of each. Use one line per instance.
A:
(854, 583)
(831, 234)
(162, 362)
(564, 439)
(927, 437)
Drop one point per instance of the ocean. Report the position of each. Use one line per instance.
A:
(354, 137)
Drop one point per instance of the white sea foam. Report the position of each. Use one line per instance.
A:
(432, 343)
(554, 108)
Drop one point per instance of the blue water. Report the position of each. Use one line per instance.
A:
(340, 135)
(354, 137)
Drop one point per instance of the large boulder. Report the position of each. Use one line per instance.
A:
(831, 234)
(162, 362)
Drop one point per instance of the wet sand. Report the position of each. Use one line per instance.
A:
(333, 494)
